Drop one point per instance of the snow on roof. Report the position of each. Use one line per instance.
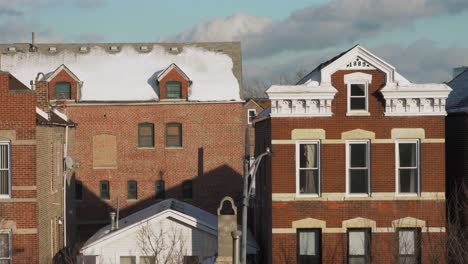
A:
(201, 217)
(458, 98)
(131, 75)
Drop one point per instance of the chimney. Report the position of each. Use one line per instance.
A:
(112, 219)
(42, 93)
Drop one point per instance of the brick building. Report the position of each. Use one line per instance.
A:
(153, 121)
(358, 171)
(253, 107)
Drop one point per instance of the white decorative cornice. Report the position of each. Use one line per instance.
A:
(301, 100)
(357, 77)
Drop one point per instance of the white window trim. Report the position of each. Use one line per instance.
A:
(7, 196)
(248, 115)
(348, 155)
(10, 240)
(397, 166)
(298, 193)
(366, 94)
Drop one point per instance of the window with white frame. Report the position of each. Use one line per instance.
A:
(5, 170)
(407, 166)
(308, 168)
(358, 97)
(409, 246)
(359, 245)
(358, 167)
(251, 113)
(5, 247)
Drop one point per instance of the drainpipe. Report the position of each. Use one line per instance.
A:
(65, 154)
(236, 235)
(112, 219)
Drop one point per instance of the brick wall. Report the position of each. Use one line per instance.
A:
(63, 76)
(211, 155)
(17, 125)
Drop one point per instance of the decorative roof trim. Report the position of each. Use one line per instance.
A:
(59, 69)
(171, 67)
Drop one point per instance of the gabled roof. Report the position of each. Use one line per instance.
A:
(50, 76)
(172, 208)
(171, 67)
(457, 100)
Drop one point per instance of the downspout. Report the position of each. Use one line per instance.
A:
(65, 152)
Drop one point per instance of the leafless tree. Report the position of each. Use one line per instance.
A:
(457, 225)
(161, 245)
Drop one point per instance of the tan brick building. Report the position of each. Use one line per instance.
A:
(153, 121)
(358, 171)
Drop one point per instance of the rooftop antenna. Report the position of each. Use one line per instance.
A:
(33, 47)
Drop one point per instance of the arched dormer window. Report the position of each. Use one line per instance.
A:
(173, 90)
(63, 91)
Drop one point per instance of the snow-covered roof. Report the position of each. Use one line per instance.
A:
(129, 72)
(190, 214)
(458, 98)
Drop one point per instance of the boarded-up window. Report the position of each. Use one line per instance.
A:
(145, 135)
(174, 135)
(104, 151)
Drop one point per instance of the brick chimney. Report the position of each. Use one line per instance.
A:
(42, 95)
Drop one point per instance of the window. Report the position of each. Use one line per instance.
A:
(408, 246)
(78, 190)
(187, 190)
(146, 135)
(358, 246)
(309, 246)
(251, 115)
(132, 190)
(357, 167)
(357, 97)
(5, 171)
(5, 247)
(104, 190)
(147, 260)
(128, 260)
(191, 260)
(173, 90)
(159, 190)
(174, 135)
(307, 168)
(407, 166)
(62, 91)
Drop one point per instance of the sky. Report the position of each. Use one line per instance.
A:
(423, 39)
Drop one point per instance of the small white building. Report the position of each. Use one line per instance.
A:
(170, 229)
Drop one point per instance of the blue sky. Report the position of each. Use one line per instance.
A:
(424, 39)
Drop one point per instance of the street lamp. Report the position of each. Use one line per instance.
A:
(252, 171)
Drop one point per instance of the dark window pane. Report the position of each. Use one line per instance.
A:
(358, 90)
(104, 188)
(4, 169)
(308, 181)
(146, 135)
(132, 192)
(408, 154)
(62, 91)
(358, 181)
(358, 155)
(160, 191)
(187, 189)
(173, 90)
(174, 135)
(408, 180)
(308, 156)
(78, 190)
(4, 245)
(358, 103)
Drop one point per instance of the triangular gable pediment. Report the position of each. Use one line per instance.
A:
(58, 70)
(358, 58)
(171, 67)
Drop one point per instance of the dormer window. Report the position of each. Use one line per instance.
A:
(63, 91)
(358, 93)
(173, 90)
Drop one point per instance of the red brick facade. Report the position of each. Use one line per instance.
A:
(63, 76)
(174, 76)
(382, 206)
(18, 128)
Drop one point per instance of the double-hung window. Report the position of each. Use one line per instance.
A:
(358, 246)
(357, 97)
(132, 190)
(174, 135)
(5, 247)
(160, 191)
(358, 167)
(309, 246)
(409, 246)
(308, 168)
(173, 90)
(251, 113)
(5, 169)
(146, 135)
(104, 190)
(407, 167)
(62, 91)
